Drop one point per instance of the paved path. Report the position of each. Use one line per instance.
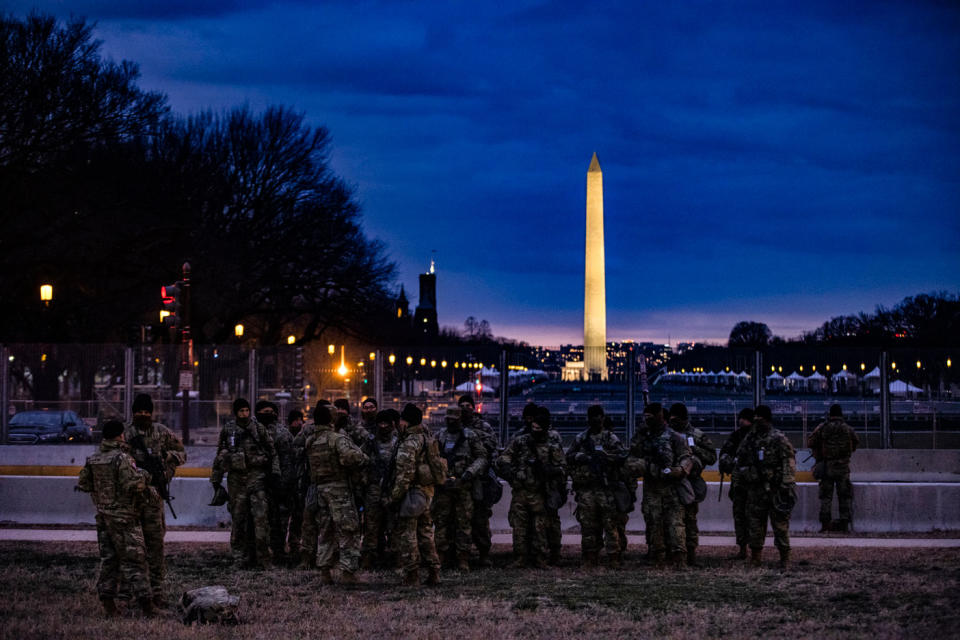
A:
(89, 535)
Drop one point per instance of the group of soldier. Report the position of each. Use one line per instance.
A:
(343, 494)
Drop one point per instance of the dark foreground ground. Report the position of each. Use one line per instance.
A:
(48, 592)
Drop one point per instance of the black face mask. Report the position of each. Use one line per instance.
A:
(539, 435)
(384, 430)
(142, 422)
(266, 419)
(453, 426)
(466, 412)
(243, 422)
(652, 422)
(596, 424)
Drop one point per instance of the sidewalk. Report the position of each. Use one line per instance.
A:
(90, 535)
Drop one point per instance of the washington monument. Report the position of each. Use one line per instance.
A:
(595, 288)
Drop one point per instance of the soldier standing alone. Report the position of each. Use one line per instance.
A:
(153, 445)
(115, 485)
(832, 444)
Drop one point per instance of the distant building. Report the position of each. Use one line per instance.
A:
(425, 317)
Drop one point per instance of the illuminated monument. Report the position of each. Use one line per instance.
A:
(594, 365)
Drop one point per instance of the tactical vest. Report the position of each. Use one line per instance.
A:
(322, 454)
(836, 440)
(104, 470)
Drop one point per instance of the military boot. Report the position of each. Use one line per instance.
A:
(463, 561)
(784, 560)
(411, 578)
(692, 558)
(326, 577)
(660, 560)
(825, 525)
(109, 607)
(348, 577)
(433, 576)
(159, 601)
(366, 562)
(589, 559)
(843, 526)
(678, 560)
(615, 561)
(742, 554)
(146, 606)
(306, 560)
(518, 562)
(756, 557)
(554, 558)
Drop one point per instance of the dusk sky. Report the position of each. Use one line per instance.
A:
(777, 162)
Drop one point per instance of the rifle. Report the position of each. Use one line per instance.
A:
(720, 495)
(158, 476)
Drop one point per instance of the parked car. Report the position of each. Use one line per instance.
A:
(48, 427)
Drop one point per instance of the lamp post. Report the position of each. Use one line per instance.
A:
(46, 294)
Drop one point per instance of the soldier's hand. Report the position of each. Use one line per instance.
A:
(450, 483)
(675, 472)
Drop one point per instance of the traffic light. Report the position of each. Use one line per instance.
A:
(170, 309)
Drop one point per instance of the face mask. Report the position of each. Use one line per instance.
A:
(653, 422)
(266, 419)
(142, 422)
(243, 422)
(384, 430)
(453, 426)
(466, 411)
(539, 435)
(595, 424)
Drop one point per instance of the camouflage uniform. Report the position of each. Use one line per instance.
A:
(116, 486)
(655, 451)
(413, 537)
(453, 504)
(593, 460)
(737, 493)
(704, 455)
(767, 467)
(380, 451)
(301, 472)
(554, 528)
(833, 442)
(482, 512)
(330, 509)
(157, 441)
(247, 456)
(529, 466)
(283, 496)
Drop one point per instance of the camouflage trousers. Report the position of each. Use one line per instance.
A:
(452, 513)
(282, 505)
(295, 531)
(741, 524)
(374, 521)
(597, 514)
(690, 528)
(330, 513)
(154, 525)
(554, 532)
(528, 519)
(413, 539)
(250, 530)
(663, 517)
(759, 511)
(837, 477)
(480, 526)
(123, 557)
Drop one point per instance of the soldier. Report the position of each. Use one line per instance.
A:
(294, 426)
(115, 485)
(308, 547)
(531, 464)
(380, 449)
(832, 443)
(482, 512)
(554, 528)
(411, 473)
(452, 508)
(349, 426)
(767, 468)
(704, 455)
(663, 458)
(295, 422)
(282, 496)
(593, 460)
(738, 495)
(246, 454)
(153, 447)
(368, 415)
(630, 484)
(330, 508)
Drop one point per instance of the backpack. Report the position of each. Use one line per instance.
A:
(436, 462)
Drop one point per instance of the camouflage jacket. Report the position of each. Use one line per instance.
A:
(356, 431)
(528, 464)
(463, 451)
(380, 451)
(728, 452)
(603, 455)
(766, 458)
(331, 455)
(114, 482)
(704, 453)
(654, 453)
(410, 466)
(833, 440)
(488, 437)
(286, 454)
(158, 441)
(244, 450)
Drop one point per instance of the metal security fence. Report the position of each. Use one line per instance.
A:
(892, 398)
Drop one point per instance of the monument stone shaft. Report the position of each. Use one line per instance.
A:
(595, 288)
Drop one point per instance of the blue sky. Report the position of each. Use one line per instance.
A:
(768, 161)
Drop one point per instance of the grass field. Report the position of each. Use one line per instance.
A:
(48, 592)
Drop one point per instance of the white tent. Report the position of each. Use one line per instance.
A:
(872, 380)
(844, 381)
(817, 382)
(472, 387)
(873, 374)
(901, 388)
(796, 382)
(774, 381)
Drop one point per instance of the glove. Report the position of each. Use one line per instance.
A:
(675, 472)
(450, 483)
(466, 476)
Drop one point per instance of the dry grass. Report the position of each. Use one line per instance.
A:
(49, 593)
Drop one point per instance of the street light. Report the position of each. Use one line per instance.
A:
(238, 331)
(46, 293)
(342, 369)
(409, 360)
(392, 358)
(331, 349)
(291, 339)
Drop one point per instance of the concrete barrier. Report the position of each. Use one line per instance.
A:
(921, 492)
